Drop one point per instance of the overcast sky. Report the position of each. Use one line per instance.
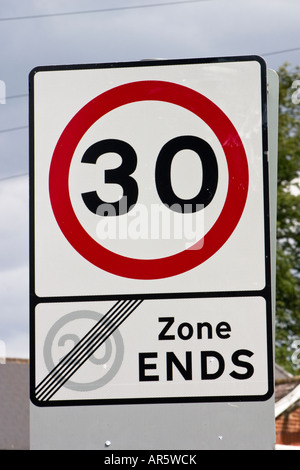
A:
(31, 34)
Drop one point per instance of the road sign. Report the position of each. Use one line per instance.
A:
(150, 250)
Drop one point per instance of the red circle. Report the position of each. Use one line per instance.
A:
(178, 263)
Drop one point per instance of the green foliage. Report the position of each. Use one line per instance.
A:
(288, 222)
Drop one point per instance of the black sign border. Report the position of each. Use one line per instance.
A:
(265, 293)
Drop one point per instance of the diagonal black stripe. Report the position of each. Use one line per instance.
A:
(56, 386)
(85, 348)
(69, 357)
(67, 363)
(63, 375)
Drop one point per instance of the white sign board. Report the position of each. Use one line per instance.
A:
(150, 274)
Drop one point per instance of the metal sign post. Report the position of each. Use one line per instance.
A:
(151, 253)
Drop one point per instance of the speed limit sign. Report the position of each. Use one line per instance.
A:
(207, 178)
(150, 212)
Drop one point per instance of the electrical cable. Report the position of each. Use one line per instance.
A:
(11, 129)
(281, 52)
(24, 95)
(102, 10)
(20, 175)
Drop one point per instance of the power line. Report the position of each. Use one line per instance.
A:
(102, 10)
(281, 52)
(11, 129)
(20, 175)
(262, 54)
(16, 96)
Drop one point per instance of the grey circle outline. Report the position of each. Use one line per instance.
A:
(102, 360)
(83, 387)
